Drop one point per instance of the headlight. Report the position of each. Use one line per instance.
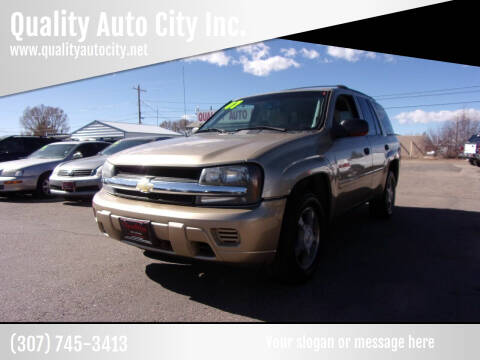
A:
(97, 171)
(13, 172)
(247, 176)
(108, 170)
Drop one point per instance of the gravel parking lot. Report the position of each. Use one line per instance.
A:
(421, 266)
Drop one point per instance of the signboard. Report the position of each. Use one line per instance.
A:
(240, 113)
(204, 115)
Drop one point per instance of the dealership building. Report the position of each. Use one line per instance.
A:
(112, 130)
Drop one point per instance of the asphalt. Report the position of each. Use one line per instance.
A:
(420, 266)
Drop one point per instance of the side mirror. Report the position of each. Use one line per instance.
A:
(352, 127)
(194, 130)
(77, 155)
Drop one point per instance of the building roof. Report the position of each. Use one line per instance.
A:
(115, 129)
(137, 128)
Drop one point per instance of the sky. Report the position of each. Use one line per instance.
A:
(417, 94)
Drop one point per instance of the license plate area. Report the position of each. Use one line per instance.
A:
(68, 186)
(136, 230)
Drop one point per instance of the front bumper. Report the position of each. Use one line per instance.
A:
(85, 186)
(187, 230)
(11, 184)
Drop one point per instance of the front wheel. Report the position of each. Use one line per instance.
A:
(43, 186)
(382, 207)
(301, 239)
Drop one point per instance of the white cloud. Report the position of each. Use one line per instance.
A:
(350, 55)
(389, 58)
(291, 52)
(424, 117)
(257, 61)
(218, 58)
(353, 55)
(309, 54)
(256, 51)
(263, 67)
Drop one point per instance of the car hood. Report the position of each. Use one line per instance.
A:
(205, 149)
(87, 163)
(28, 162)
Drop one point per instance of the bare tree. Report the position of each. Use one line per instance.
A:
(450, 138)
(44, 120)
(179, 126)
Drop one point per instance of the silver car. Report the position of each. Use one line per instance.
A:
(31, 175)
(82, 178)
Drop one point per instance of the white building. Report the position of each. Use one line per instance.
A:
(113, 130)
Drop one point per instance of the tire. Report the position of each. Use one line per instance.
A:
(382, 207)
(301, 239)
(43, 186)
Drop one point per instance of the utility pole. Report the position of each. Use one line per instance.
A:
(138, 98)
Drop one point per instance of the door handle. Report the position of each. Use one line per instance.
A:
(387, 147)
(366, 151)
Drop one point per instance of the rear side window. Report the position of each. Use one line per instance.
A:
(12, 145)
(383, 118)
(33, 144)
(368, 116)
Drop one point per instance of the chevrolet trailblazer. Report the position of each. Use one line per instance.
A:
(258, 182)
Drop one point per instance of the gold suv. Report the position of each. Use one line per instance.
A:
(258, 182)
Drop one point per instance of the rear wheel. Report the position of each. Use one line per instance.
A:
(382, 207)
(301, 239)
(43, 186)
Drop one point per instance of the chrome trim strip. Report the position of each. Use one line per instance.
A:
(173, 187)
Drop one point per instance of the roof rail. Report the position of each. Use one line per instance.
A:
(319, 86)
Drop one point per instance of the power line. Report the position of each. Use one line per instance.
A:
(428, 91)
(452, 103)
(427, 95)
(181, 102)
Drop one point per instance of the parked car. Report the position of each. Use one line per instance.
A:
(13, 147)
(472, 150)
(77, 179)
(31, 174)
(258, 182)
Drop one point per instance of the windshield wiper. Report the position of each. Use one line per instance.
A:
(262, 127)
(211, 130)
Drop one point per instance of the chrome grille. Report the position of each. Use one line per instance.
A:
(77, 172)
(166, 172)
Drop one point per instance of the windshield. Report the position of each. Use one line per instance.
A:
(122, 145)
(287, 111)
(53, 151)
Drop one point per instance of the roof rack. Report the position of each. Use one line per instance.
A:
(321, 86)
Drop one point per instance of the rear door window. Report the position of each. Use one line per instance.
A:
(368, 116)
(383, 118)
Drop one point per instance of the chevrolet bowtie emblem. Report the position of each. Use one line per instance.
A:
(144, 186)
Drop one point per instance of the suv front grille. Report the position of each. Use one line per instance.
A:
(173, 173)
(156, 197)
